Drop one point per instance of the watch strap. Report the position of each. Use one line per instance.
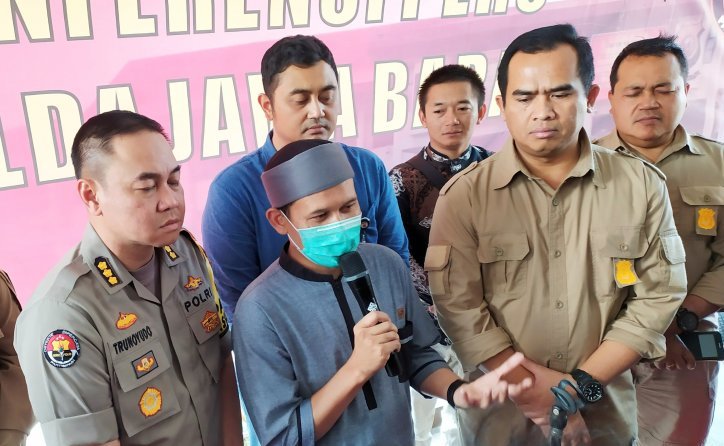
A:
(451, 391)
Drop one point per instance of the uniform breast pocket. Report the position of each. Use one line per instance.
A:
(614, 254)
(504, 264)
(146, 396)
(703, 206)
(206, 326)
(436, 262)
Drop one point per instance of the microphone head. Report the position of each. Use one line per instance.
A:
(352, 264)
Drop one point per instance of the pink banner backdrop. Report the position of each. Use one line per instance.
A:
(193, 66)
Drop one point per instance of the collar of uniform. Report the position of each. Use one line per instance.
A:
(267, 150)
(587, 162)
(296, 269)
(681, 141)
(509, 164)
(105, 267)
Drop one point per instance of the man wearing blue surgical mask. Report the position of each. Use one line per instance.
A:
(304, 349)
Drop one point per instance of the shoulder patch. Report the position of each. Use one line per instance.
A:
(61, 348)
(457, 176)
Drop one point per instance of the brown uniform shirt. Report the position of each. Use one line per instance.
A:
(553, 273)
(107, 359)
(694, 168)
(15, 411)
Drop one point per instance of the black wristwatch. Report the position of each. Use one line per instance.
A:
(686, 320)
(590, 388)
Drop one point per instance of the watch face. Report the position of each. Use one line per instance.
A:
(688, 321)
(592, 392)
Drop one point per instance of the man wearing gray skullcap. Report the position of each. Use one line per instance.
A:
(301, 99)
(309, 362)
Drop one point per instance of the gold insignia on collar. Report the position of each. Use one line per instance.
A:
(104, 267)
(170, 252)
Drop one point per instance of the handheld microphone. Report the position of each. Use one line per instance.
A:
(355, 273)
(564, 405)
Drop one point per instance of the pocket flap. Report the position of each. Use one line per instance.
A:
(437, 257)
(505, 246)
(624, 243)
(702, 195)
(140, 365)
(673, 248)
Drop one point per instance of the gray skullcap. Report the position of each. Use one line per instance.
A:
(307, 173)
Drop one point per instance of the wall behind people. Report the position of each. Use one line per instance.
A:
(194, 67)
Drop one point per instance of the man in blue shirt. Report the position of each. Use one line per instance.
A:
(301, 98)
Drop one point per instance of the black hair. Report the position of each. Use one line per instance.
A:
(452, 73)
(95, 135)
(301, 51)
(546, 39)
(657, 46)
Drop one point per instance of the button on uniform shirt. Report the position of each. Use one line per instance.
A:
(107, 359)
(553, 273)
(17, 416)
(694, 168)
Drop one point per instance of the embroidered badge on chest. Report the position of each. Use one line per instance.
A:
(401, 313)
(624, 273)
(210, 321)
(61, 348)
(706, 219)
(193, 283)
(104, 267)
(145, 364)
(151, 402)
(125, 320)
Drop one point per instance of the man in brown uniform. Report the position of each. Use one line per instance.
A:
(557, 248)
(16, 416)
(124, 342)
(648, 98)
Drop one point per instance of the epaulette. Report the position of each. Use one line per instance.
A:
(696, 135)
(457, 176)
(646, 162)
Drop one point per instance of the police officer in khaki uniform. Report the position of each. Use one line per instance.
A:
(124, 343)
(648, 98)
(556, 248)
(17, 417)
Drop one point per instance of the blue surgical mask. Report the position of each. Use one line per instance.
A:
(324, 244)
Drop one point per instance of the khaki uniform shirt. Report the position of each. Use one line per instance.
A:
(16, 414)
(107, 359)
(553, 273)
(694, 168)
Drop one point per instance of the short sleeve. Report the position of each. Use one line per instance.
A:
(63, 357)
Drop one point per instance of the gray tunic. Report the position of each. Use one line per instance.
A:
(107, 359)
(293, 332)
